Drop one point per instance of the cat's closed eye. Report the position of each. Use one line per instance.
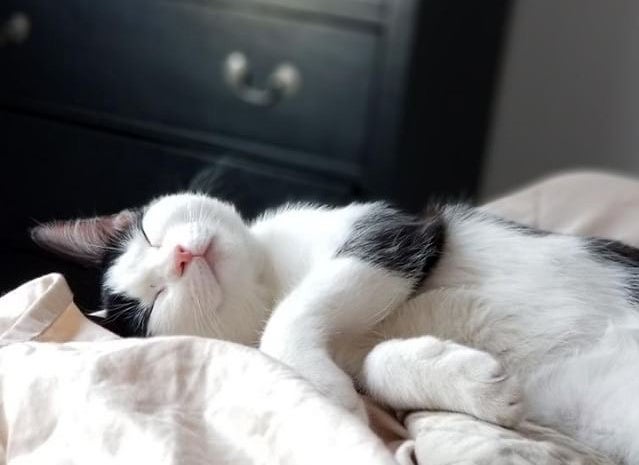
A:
(146, 238)
(159, 290)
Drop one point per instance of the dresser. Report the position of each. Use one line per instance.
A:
(104, 105)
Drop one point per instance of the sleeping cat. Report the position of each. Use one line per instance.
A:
(456, 310)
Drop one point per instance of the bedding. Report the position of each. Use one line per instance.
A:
(72, 392)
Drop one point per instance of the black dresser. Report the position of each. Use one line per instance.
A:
(105, 104)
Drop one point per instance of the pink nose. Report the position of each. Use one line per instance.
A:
(182, 258)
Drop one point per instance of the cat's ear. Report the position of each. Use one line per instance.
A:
(84, 240)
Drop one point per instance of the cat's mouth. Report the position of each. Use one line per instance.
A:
(186, 258)
(204, 264)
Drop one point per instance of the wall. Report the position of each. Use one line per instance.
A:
(569, 92)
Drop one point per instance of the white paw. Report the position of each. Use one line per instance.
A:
(452, 438)
(321, 372)
(508, 453)
(340, 390)
(488, 392)
(522, 452)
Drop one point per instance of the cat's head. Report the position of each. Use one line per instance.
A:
(184, 264)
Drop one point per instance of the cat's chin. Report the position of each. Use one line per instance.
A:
(204, 275)
(192, 305)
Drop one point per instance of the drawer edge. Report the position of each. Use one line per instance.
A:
(185, 138)
(365, 13)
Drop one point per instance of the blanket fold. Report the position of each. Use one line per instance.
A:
(74, 393)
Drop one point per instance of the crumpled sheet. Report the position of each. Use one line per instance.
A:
(74, 393)
(171, 400)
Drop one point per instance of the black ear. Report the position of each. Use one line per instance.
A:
(83, 240)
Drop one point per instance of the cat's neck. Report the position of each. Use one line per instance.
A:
(293, 239)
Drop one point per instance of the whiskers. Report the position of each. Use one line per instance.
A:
(204, 303)
(131, 314)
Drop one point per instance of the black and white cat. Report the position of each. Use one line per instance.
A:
(457, 310)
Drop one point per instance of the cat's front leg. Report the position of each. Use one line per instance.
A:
(341, 296)
(430, 373)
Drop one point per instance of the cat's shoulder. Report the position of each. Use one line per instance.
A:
(386, 214)
(294, 213)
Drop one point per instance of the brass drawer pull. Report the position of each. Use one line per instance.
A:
(15, 29)
(282, 83)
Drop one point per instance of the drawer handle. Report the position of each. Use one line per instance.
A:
(15, 29)
(282, 83)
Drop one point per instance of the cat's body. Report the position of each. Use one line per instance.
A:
(457, 311)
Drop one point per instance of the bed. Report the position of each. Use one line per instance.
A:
(72, 392)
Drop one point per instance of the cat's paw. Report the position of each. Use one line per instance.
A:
(453, 438)
(488, 391)
(429, 373)
(316, 367)
(358, 408)
(340, 390)
(517, 452)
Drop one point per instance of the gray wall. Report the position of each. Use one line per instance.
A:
(569, 92)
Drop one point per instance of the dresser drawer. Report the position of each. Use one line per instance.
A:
(83, 171)
(162, 61)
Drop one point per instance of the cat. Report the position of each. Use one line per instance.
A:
(454, 310)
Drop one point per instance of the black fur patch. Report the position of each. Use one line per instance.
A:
(621, 254)
(614, 251)
(397, 241)
(522, 228)
(125, 316)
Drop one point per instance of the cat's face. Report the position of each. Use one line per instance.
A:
(184, 264)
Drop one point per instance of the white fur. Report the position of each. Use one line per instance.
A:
(227, 302)
(531, 316)
(480, 385)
